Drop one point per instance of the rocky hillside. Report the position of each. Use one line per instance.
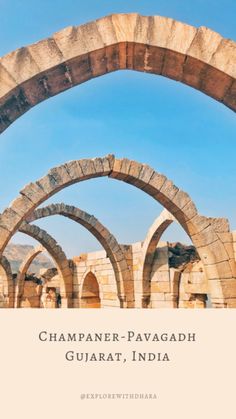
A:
(16, 253)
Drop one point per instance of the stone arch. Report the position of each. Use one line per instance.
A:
(90, 293)
(197, 57)
(8, 283)
(114, 251)
(25, 264)
(57, 255)
(211, 237)
(149, 246)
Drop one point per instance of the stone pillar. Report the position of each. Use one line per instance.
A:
(163, 292)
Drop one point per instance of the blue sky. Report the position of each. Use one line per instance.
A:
(177, 130)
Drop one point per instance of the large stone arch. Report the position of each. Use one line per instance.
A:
(197, 57)
(149, 246)
(8, 283)
(210, 236)
(24, 266)
(57, 255)
(125, 290)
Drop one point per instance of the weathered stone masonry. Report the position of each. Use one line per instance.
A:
(198, 57)
(104, 236)
(210, 236)
(169, 287)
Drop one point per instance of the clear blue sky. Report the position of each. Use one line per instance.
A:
(177, 130)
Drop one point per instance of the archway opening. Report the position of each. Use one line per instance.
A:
(29, 278)
(172, 273)
(153, 44)
(90, 292)
(53, 297)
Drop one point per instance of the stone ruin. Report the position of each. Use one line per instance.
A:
(147, 274)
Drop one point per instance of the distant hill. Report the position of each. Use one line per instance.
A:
(180, 255)
(16, 253)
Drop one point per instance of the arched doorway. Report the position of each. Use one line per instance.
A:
(90, 297)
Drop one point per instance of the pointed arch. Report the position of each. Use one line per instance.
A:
(210, 236)
(59, 257)
(90, 293)
(149, 246)
(25, 264)
(125, 289)
(198, 57)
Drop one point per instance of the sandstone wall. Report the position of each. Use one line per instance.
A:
(99, 264)
(184, 286)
